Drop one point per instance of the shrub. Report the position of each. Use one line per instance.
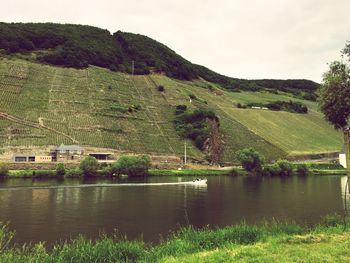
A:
(192, 96)
(302, 169)
(194, 125)
(132, 165)
(180, 109)
(137, 107)
(104, 172)
(73, 173)
(89, 166)
(332, 220)
(251, 160)
(286, 168)
(161, 88)
(233, 172)
(271, 170)
(44, 173)
(60, 170)
(4, 170)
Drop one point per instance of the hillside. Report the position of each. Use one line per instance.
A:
(79, 46)
(47, 105)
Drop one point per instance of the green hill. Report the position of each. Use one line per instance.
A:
(78, 46)
(48, 105)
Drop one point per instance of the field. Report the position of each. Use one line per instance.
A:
(45, 105)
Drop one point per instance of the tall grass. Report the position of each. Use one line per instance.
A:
(184, 242)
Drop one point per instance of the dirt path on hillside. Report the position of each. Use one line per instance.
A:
(15, 119)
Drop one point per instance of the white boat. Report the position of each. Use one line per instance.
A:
(199, 181)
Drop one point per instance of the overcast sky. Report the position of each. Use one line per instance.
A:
(239, 38)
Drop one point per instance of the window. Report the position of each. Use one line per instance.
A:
(20, 159)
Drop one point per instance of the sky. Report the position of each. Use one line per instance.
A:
(252, 39)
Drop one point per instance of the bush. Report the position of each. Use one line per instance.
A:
(22, 174)
(251, 160)
(60, 170)
(332, 220)
(4, 170)
(271, 170)
(192, 96)
(286, 168)
(194, 125)
(302, 170)
(73, 173)
(161, 88)
(89, 166)
(132, 165)
(43, 173)
(233, 172)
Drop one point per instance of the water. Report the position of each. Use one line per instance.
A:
(52, 210)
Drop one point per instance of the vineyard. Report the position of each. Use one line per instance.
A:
(44, 105)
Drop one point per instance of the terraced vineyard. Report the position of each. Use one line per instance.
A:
(44, 105)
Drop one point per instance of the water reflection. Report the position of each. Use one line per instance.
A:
(345, 190)
(59, 213)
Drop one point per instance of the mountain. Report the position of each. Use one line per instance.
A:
(70, 84)
(78, 46)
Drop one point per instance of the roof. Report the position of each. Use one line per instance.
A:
(63, 147)
(100, 153)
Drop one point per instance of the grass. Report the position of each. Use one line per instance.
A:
(314, 168)
(80, 105)
(267, 242)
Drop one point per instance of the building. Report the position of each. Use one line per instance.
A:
(67, 152)
(31, 158)
(102, 156)
(23, 158)
(342, 157)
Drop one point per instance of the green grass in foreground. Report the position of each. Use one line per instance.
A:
(267, 242)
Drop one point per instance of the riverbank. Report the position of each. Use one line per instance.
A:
(266, 242)
(192, 170)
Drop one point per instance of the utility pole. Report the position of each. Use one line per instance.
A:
(185, 154)
(347, 148)
(132, 67)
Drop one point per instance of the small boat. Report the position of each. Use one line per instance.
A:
(199, 181)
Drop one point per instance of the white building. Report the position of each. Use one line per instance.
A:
(342, 157)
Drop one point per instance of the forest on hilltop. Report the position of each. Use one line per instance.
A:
(79, 46)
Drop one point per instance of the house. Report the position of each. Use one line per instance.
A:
(67, 152)
(342, 157)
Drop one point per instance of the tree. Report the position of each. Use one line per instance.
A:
(4, 170)
(89, 166)
(334, 98)
(132, 165)
(335, 94)
(251, 160)
(60, 170)
(285, 168)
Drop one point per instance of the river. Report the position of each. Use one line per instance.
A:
(53, 210)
